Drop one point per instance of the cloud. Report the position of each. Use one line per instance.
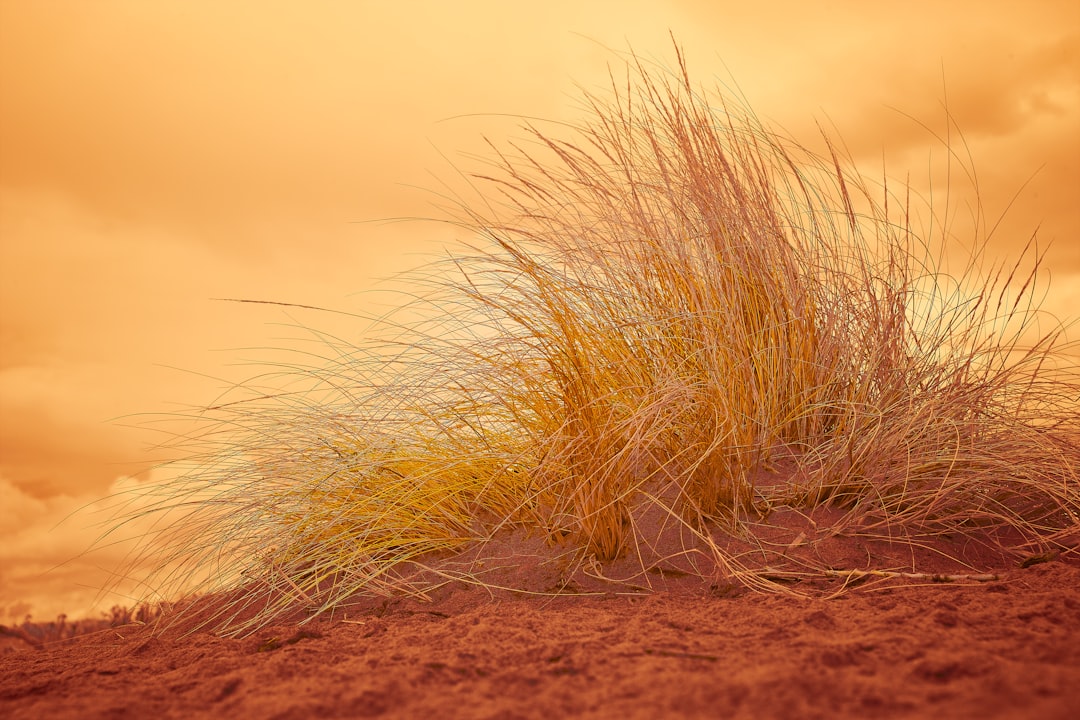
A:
(110, 330)
(48, 564)
(208, 118)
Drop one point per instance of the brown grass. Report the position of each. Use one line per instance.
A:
(661, 306)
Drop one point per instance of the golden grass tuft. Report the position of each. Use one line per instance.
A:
(660, 304)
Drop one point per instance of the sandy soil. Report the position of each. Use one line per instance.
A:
(1007, 648)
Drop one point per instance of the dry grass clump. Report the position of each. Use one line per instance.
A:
(657, 309)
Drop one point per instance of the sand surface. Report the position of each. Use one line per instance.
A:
(1002, 649)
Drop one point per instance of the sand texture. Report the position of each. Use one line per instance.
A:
(1006, 648)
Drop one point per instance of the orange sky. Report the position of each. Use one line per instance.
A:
(156, 155)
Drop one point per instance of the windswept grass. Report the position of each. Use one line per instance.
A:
(660, 305)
